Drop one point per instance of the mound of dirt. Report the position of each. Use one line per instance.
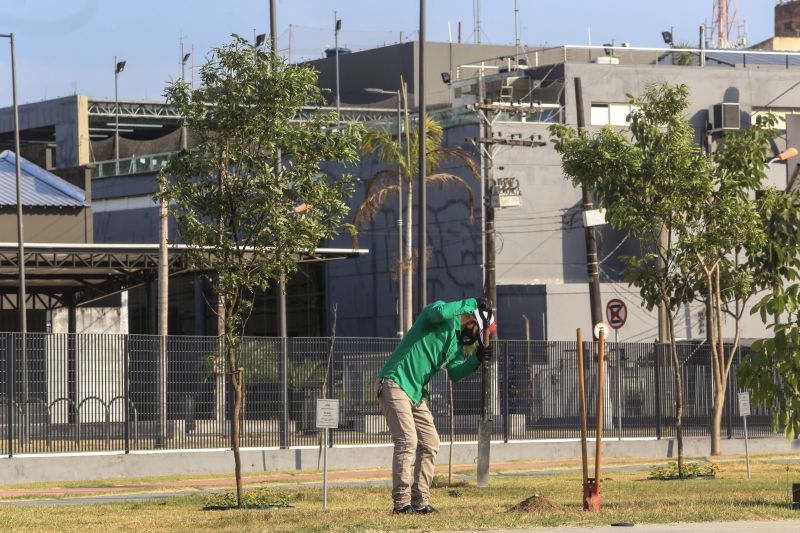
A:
(537, 502)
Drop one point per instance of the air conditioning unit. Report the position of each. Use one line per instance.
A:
(724, 116)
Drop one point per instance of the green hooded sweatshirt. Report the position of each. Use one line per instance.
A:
(431, 344)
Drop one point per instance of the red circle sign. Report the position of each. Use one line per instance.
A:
(616, 313)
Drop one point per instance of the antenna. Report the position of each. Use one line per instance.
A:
(726, 32)
(476, 12)
(516, 32)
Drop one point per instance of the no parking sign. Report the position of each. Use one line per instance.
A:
(616, 313)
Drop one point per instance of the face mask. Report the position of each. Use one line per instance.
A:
(470, 349)
(466, 336)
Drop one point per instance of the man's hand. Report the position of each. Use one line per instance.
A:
(485, 353)
(484, 304)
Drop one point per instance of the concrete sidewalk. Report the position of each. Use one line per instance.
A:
(792, 526)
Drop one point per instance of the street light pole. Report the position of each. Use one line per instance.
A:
(337, 26)
(421, 173)
(22, 296)
(400, 263)
(119, 66)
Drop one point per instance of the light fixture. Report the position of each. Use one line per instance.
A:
(446, 77)
(260, 38)
(608, 48)
(120, 67)
(667, 36)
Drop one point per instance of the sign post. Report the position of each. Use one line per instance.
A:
(327, 418)
(617, 315)
(744, 411)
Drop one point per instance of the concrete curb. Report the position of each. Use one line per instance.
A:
(89, 466)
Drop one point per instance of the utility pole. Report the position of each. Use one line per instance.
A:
(421, 173)
(486, 143)
(592, 265)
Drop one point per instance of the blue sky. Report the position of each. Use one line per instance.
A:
(68, 46)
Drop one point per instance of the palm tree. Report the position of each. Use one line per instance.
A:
(401, 174)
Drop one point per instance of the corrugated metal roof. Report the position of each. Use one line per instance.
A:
(40, 188)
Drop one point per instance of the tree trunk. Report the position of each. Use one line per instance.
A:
(716, 420)
(236, 409)
(676, 364)
(236, 382)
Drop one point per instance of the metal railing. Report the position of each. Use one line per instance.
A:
(99, 392)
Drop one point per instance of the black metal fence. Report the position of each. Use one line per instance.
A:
(92, 392)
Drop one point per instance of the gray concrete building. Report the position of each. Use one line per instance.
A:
(541, 258)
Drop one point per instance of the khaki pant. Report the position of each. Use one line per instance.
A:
(414, 434)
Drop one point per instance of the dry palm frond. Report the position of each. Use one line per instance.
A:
(458, 153)
(443, 179)
(371, 205)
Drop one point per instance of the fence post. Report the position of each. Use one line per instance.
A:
(505, 414)
(10, 337)
(284, 367)
(657, 381)
(729, 394)
(126, 392)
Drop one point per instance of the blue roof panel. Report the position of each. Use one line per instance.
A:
(40, 188)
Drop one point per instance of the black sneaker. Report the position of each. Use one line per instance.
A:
(406, 509)
(426, 510)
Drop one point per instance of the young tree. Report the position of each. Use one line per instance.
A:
(652, 181)
(401, 158)
(729, 224)
(234, 202)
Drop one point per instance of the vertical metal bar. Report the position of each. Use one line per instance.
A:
(619, 384)
(505, 414)
(10, 338)
(657, 382)
(126, 393)
(746, 448)
(284, 364)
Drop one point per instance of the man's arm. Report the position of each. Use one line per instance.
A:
(441, 311)
(459, 368)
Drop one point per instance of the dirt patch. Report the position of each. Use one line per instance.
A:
(537, 502)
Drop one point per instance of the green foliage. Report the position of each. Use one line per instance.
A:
(233, 206)
(652, 181)
(690, 471)
(252, 499)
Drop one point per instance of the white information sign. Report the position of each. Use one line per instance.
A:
(744, 403)
(327, 413)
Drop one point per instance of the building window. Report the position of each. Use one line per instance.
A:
(605, 114)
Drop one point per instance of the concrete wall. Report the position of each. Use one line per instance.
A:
(75, 467)
(98, 363)
(68, 117)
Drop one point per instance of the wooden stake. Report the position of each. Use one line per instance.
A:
(582, 396)
(599, 435)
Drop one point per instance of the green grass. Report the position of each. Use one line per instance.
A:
(626, 497)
